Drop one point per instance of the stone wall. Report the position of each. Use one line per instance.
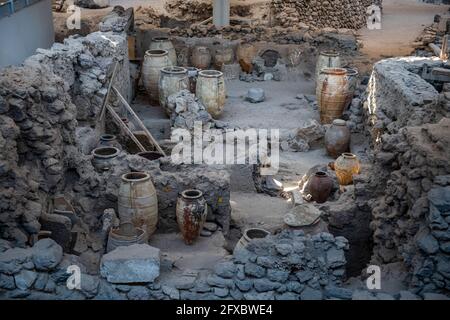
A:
(348, 14)
(408, 182)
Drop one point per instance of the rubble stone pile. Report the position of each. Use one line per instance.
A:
(322, 13)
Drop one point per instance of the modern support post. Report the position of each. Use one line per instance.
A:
(221, 13)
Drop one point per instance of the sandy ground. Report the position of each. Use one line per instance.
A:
(402, 21)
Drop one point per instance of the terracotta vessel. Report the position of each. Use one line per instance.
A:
(346, 166)
(352, 74)
(245, 53)
(211, 91)
(223, 56)
(137, 202)
(327, 59)
(103, 157)
(154, 61)
(337, 138)
(125, 235)
(249, 235)
(109, 140)
(332, 93)
(201, 57)
(164, 43)
(320, 186)
(191, 214)
(172, 80)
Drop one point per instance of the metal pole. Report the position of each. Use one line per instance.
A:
(221, 13)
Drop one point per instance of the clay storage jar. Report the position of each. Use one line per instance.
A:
(249, 235)
(103, 157)
(172, 80)
(346, 166)
(192, 75)
(201, 57)
(137, 201)
(164, 43)
(327, 59)
(245, 53)
(154, 61)
(320, 186)
(223, 56)
(337, 138)
(352, 75)
(332, 92)
(191, 214)
(211, 91)
(109, 140)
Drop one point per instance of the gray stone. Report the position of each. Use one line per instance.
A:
(138, 293)
(89, 285)
(277, 275)
(225, 269)
(25, 279)
(259, 296)
(7, 282)
(435, 296)
(267, 261)
(11, 260)
(340, 293)
(263, 285)
(283, 249)
(440, 198)
(236, 294)
(427, 243)
(335, 257)
(254, 270)
(363, 295)
(244, 285)
(173, 293)
(210, 226)
(304, 276)
(133, 264)
(216, 281)
(311, 294)
(287, 296)
(407, 295)
(221, 292)
(295, 286)
(41, 281)
(255, 95)
(445, 246)
(184, 282)
(384, 296)
(47, 254)
(107, 292)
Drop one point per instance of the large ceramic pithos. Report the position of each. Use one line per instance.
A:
(164, 43)
(191, 214)
(337, 138)
(210, 91)
(223, 56)
(332, 92)
(249, 235)
(137, 201)
(346, 166)
(352, 74)
(245, 53)
(201, 57)
(154, 61)
(124, 236)
(327, 59)
(320, 186)
(172, 80)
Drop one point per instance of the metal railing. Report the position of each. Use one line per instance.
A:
(7, 8)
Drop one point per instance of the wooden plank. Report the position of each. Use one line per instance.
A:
(138, 120)
(119, 121)
(444, 50)
(105, 101)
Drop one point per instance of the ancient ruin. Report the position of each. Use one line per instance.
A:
(172, 150)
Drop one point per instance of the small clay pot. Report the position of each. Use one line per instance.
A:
(249, 235)
(346, 166)
(103, 157)
(320, 186)
(109, 140)
(337, 138)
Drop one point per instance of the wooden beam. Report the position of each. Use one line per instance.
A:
(138, 120)
(105, 101)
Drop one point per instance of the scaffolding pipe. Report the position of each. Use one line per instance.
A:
(221, 13)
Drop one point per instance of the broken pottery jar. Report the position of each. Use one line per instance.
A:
(191, 214)
(164, 43)
(255, 95)
(172, 80)
(320, 186)
(125, 235)
(137, 201)
(249, 235)
(192, 75)
(103, 157)
(337, 138)
(346, 166)
(211, 91)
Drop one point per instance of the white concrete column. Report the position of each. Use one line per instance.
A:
(221, 13)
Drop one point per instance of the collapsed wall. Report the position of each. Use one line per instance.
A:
(408, 122)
